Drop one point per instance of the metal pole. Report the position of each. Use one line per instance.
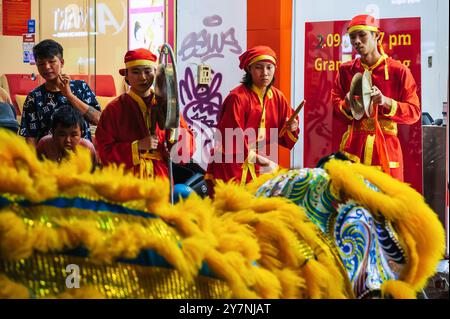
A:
(169, 164)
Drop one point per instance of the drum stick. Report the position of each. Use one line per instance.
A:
(293, 116)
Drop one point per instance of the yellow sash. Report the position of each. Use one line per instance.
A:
(146, 164)
(248, 166)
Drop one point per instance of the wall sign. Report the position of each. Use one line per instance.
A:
(28, 44)
(16, 14)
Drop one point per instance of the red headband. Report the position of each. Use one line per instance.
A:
(255, 54)
(138, 57)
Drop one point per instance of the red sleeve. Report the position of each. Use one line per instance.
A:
(185, 146)
(407, 109)
(288, 139)
(338, 97)
(109, 150)
(233, 116)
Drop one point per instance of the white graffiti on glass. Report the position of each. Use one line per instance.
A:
(74, 20)
(206, 45)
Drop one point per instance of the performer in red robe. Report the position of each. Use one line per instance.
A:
(123, 133)
(373, 140)
(252, 110)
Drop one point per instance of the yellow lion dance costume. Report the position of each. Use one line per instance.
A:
(127, 241)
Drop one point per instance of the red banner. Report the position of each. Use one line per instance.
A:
(16, 14)
(326, 46)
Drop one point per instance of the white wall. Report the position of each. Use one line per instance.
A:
(434, 36)
(214, 33)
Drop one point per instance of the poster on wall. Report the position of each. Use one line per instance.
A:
(15, 16)
(146, 24)
(327, 45)
(27, 46)
(211, 35)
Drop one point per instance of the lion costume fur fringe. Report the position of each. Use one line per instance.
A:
(250, 247)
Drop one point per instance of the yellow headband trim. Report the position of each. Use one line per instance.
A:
(139, 62)
(362, 27)
(262, 57)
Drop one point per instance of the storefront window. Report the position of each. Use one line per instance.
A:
(93, 34)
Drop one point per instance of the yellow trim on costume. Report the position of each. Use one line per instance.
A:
(291, 136)
(372, 67)
(249, 165)
(143, 107)
(341, 108)
(368, 125)
(262, 57)
(351, 157)
(345, 138)
(362, 27)
(368, 149)
(394, 164)
(260, 93)
(135, 153)
(246, 167)
(146, 169)
(262, 123)
(386, 73)
(140, 63)
(393, 109)
(382, 58)
(139, 101)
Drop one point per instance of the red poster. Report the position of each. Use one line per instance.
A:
(16, 14)
(326, 45)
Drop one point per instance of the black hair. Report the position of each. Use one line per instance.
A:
(125, 76)
(338, 155)
(66, 116)
(47, 49)
(247, 80)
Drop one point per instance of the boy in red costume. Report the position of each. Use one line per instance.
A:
(373, 140)
(124, 131)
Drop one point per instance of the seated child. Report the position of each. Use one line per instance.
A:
(66, 136)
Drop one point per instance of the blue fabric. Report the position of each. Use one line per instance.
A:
(81, 203)
(181, 191)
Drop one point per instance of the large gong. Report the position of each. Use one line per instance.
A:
(167, 114)
(166, 90)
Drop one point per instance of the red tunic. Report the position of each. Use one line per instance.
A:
(242, 109)
(122, 123)
(358, 143)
